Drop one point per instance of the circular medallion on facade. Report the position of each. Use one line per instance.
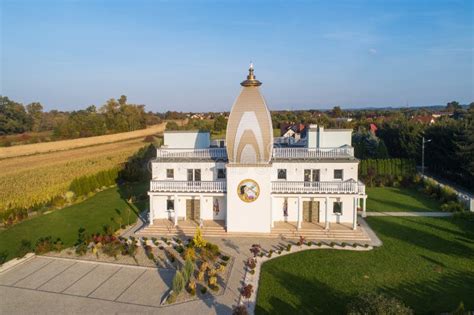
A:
(248, 190)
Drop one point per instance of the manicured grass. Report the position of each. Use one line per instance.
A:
(92, 214)
(391, 199)
(426, 262)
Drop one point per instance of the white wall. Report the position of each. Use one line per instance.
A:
(330, 138)
(187, 139)
(249, 216)
(295, 171)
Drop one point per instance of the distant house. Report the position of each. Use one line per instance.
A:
(426, 119)
(344, 119)
(296, 131)
(373, 128)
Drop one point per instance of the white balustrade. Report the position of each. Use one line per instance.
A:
(313, 153)
(187, 186)
(210, 153)
(278, 153)
(347, 187)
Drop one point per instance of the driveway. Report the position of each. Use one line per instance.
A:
(69, 283)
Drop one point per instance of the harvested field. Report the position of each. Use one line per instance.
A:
(29, 180)
(30, 149)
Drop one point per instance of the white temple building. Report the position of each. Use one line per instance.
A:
(251, 182)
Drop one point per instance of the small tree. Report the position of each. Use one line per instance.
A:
(178, 283)
(188, 270)
(198, 240)
(247, 291)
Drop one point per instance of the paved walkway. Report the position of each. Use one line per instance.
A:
(409, 214)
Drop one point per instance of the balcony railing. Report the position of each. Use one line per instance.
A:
(187, 186)
(313, 153)
(347, 187)
(209, 153)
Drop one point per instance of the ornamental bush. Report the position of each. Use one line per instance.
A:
(178, 282)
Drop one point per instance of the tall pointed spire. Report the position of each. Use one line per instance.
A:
(251, 80)
(249, 133)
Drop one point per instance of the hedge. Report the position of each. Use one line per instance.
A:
(83, 185)
(387, 167)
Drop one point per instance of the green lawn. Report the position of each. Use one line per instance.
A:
(391, 199)
(426, 262)
(91, 214)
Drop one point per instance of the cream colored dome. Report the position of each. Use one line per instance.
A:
(249, 129)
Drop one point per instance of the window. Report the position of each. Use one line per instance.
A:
(170, 173)
(311, 176)
(338, 174)
(194, 175)
(220, 173)
(170, 204)
(281, 173)
(337, 207)
(197, 175)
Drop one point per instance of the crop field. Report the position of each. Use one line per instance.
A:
(29, 149)
(29, 180)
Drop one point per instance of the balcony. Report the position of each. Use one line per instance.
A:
(345, 152)
(347, 187)
(188, 186)
(198, 154)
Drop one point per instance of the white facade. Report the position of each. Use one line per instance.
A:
(315, 180)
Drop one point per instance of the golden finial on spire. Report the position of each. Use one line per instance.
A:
(251, 80)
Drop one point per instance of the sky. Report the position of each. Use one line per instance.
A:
(192, 55)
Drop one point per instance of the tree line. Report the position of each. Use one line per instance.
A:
(113, 117)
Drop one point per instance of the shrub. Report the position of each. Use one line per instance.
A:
(452, 206)
(374, 304)
(179, 249)
(203, 290)
(178, 282)
(288, 247)
(225, 258)
(43, 245)
(255, 249)
(189, 253)
(188, 270)
(198, 240)
(171, 298)
(192, 287)
(112, 249)
(214, 249)
(25, 248)
(332, 244)
(3, 257)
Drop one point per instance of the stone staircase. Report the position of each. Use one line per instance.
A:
(167, 229)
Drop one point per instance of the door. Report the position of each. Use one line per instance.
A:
(311, 211)
(193, 209)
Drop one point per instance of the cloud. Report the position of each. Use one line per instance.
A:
(372, 51)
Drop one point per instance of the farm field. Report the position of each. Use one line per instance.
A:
(392, 199)
(428, 263)
(29, 149)
(27, 180)
(91, 214)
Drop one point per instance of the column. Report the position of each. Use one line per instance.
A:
(201, 207)
(175, 210)
(354, 218)
(326, 216)
(300, 212)
(364, 202)
(271, 213)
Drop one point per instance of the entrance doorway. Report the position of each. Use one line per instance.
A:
(311, 211)
(193, 209)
